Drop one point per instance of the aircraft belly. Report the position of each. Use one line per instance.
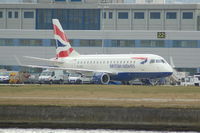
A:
(127, 76)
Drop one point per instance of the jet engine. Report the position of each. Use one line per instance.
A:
(101, 78)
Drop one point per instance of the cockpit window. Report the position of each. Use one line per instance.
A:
(163, 61)
(157, 61)
(152, 61)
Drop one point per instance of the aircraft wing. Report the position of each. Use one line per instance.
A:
(80, 70)
(43, 59)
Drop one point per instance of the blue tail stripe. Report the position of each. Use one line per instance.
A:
(59, 44)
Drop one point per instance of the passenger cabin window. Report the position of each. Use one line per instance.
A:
(158, 61)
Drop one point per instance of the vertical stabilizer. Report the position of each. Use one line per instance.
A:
(63, 47)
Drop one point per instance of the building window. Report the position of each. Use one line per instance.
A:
(30, 42)
(155, 15)
(139, 15)
(104, 15)
(122, 43)
(16, 14)
(152, 43)
(1, 14)
(28, 14)
(60, 0)
(9, 14)
(185, 43)
(123, 15)
(110, 15)
(6, 42)
(148, 1)
(90, 43)
(75, 0)
(171, 15)
(187, 15)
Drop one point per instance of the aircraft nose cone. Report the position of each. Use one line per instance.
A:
(170, 70)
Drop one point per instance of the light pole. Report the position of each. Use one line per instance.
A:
(103, 16)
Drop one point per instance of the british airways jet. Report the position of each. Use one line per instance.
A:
(105, 67)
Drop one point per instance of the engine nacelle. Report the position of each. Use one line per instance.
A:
(101, 78)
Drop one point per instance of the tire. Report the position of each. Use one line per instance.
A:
(61, 81)
(78, 81)
(50, 82)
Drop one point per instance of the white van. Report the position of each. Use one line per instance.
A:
(53, 76)
(187, 81)
(197, 79)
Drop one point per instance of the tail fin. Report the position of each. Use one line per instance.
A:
(63, 47)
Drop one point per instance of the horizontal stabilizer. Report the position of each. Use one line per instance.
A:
(43, 59)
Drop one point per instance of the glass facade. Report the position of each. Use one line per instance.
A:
(185, 43)
(107, 43)
(152, 43)
(70, 19)
(122, 43)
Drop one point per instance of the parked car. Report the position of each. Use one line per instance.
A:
(4, 77)
(76, 78)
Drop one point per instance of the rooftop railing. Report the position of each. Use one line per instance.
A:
(17, 1)
(105, 1)
(150, 1)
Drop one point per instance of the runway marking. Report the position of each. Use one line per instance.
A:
(104, 99)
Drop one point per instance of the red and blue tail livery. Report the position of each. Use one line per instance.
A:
(63, 47)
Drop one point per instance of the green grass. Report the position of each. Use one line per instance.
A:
(98, 91)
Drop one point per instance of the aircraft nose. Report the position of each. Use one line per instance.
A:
(169, 70)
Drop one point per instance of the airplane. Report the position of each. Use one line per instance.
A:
(104, 67)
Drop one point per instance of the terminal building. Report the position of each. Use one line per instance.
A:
(101, 26)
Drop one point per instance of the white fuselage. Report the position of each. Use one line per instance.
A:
(122, 63)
